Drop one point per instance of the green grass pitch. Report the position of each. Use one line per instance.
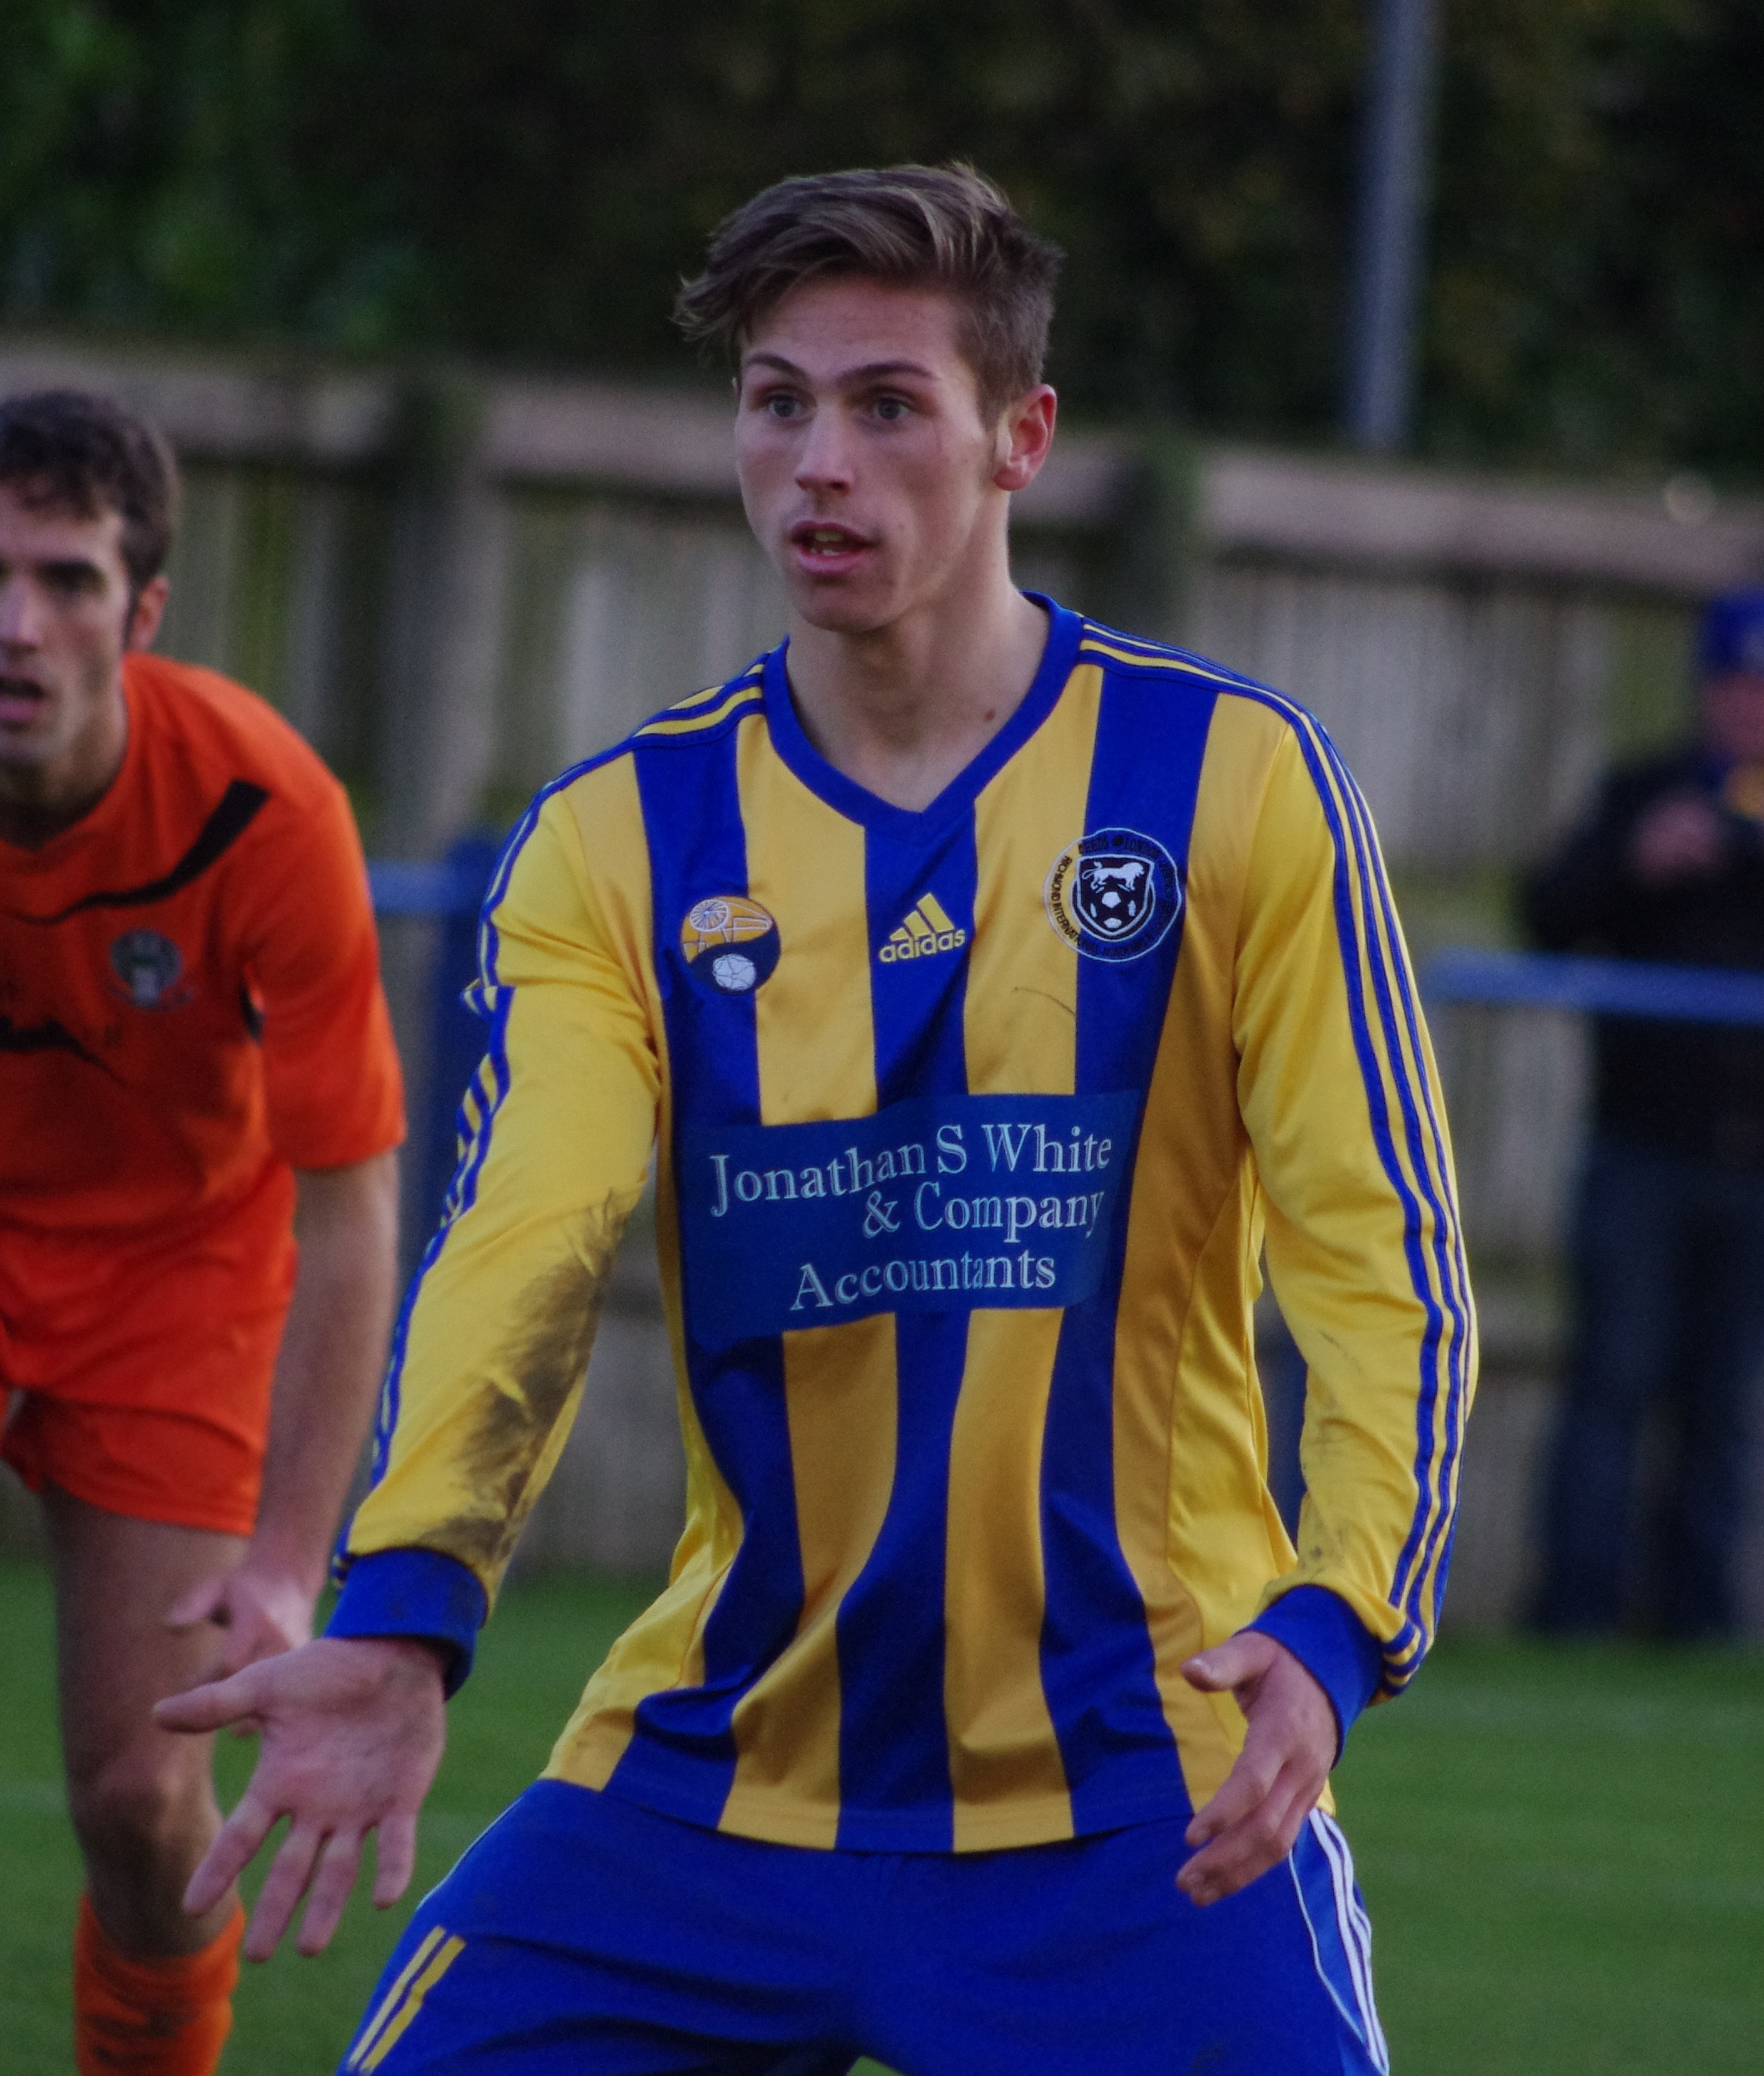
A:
(1563, 1850)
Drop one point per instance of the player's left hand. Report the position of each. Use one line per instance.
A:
(1251, 1824)
(256, 1613)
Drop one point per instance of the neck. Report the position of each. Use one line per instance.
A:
(902, 710)
(38, 802)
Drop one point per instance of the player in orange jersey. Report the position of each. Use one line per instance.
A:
(196, 1071)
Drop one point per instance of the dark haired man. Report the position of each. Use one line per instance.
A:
(196, 1067)
(994, 982)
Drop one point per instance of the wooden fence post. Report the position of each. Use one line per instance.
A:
(443, 633)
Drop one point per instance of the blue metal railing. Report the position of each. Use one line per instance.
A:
(436, 893)
(449, 893)
(1600, 987)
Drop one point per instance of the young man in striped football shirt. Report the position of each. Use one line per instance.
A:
(996, 987)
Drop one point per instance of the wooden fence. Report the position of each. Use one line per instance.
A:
(456, 584)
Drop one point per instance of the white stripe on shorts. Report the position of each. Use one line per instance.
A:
(1356, 1929)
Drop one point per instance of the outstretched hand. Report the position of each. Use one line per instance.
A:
(1252, 1823)
(352, 1732)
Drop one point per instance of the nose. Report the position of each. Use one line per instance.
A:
(824, 460)
(21, 613)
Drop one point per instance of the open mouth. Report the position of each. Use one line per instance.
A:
(20, 700)
(824, 541)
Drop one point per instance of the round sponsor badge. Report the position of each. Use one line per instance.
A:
(730, 944)
(1113, 895)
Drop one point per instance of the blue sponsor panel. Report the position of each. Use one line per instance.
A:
(935, 1204)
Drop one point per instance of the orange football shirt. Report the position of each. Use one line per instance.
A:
(189, 1002)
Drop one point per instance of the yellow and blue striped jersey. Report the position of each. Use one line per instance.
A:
(972, 1124)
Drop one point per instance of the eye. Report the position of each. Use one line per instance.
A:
(891, 410)
(782, 405)
(72, 580)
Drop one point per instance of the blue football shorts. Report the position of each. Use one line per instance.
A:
(584, 1934)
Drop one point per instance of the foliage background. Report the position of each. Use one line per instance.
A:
(527, 181)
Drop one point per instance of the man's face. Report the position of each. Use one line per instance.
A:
(1733, 716)
(66, 619)
(867, 470)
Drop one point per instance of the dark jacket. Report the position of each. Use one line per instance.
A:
(1691, 1089)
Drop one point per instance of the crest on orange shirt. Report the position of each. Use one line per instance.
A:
(148, 966)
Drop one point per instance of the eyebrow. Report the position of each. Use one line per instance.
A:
(53, 567)
(70, 565)
(871, 371)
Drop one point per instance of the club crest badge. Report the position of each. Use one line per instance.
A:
(730, 944)
(148, 966)
(1113, 895)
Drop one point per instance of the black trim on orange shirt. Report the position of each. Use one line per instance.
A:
(50, 1035)
(238, 808)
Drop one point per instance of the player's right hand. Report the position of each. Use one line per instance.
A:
(353, 1731)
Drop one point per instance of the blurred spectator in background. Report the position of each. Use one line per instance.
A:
(1668, 1243)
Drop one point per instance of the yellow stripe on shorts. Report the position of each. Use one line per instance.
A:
(404, 1999)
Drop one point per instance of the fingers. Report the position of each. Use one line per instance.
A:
(243, 1643)
(247, 1642)
(211, 1706)
(395, 1858)
(283, 1886)
(1250, 1824)
(1248, 1784)
(352, 1734)
(332, 1880)
(1239, 1660)
(323, 1869)
(243, 1632)
(233, 1655)
(257, 1617)
(201, 1604)
(1280, 1757)
(1258, 1840)
(238, 1839)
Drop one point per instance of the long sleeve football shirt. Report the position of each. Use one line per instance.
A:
(973, 1127)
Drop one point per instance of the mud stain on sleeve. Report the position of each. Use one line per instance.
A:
(514, 1437)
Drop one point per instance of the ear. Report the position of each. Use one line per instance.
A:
(1025, 434)
(148, 610)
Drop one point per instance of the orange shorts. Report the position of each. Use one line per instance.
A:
(135, 1372)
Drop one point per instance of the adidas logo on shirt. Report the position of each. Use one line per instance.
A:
(926, 930)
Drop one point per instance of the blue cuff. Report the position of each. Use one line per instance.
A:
(1333, 1644)
(419, 1593)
